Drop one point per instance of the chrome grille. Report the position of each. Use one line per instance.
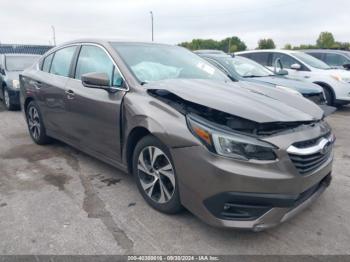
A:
(309, 163)
(308, 159)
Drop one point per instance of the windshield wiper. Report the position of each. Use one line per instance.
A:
(232, 78)
(251, 76)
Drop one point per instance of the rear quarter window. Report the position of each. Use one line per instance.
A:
(47, 63)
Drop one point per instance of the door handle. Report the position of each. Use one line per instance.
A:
(37, 84)
(70, 94)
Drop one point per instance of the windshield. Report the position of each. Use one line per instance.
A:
(311, 61)
(19, 63)
(150, 62)
(244, 67)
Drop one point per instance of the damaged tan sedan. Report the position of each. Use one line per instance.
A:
(235, 154)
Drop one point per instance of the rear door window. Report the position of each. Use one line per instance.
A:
(62, 61)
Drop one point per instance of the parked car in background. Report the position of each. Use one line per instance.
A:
(239, 68)
(301, 66)
(235, 157)
(334, 58)
(11, 65)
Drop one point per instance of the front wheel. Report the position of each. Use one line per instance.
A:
(155, 175)
(7, 100)
(36, 127)
(329, 96)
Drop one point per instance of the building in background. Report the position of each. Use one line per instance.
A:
(24, 49)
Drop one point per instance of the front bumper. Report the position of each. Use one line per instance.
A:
(342, 92)
(269, 193)
(265, 211)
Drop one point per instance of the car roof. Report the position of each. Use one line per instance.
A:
(268, 50)
(100, 41)
(103, 41)
(218, 55)
(326, 51)
(209, 52)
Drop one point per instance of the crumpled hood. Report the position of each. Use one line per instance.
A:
(298, 85)
(246, 100)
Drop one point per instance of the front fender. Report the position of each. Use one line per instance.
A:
(160, 119)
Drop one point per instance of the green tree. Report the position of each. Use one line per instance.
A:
(304, 47)
(229, 44)
(288, 47)
(267, 43)
(344, 45)
(325, 40)
(232, 44)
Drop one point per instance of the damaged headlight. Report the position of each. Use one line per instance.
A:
(229, 144)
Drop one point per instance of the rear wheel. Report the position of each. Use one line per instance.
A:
(155, 175)
(36, 127)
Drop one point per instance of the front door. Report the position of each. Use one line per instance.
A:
(94, 114)
(287, 61)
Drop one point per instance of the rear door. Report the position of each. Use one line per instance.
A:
(50, 88)
(94, 114)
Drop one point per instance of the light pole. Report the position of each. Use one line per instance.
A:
(152, 23)
(53, 35)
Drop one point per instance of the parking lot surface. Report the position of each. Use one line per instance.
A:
(57, 200)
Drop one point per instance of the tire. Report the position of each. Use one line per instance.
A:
(156, 182)
(35, 123)
(329, 96)
(7, 101)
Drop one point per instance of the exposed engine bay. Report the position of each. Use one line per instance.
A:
(224, 120)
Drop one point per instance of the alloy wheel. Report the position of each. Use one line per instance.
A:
(156, 174)
(34, 122)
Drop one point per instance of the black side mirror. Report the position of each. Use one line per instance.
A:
(96, 80)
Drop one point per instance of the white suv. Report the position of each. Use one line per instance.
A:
(335, 82)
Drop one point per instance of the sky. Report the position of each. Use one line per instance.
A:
(285, 21)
